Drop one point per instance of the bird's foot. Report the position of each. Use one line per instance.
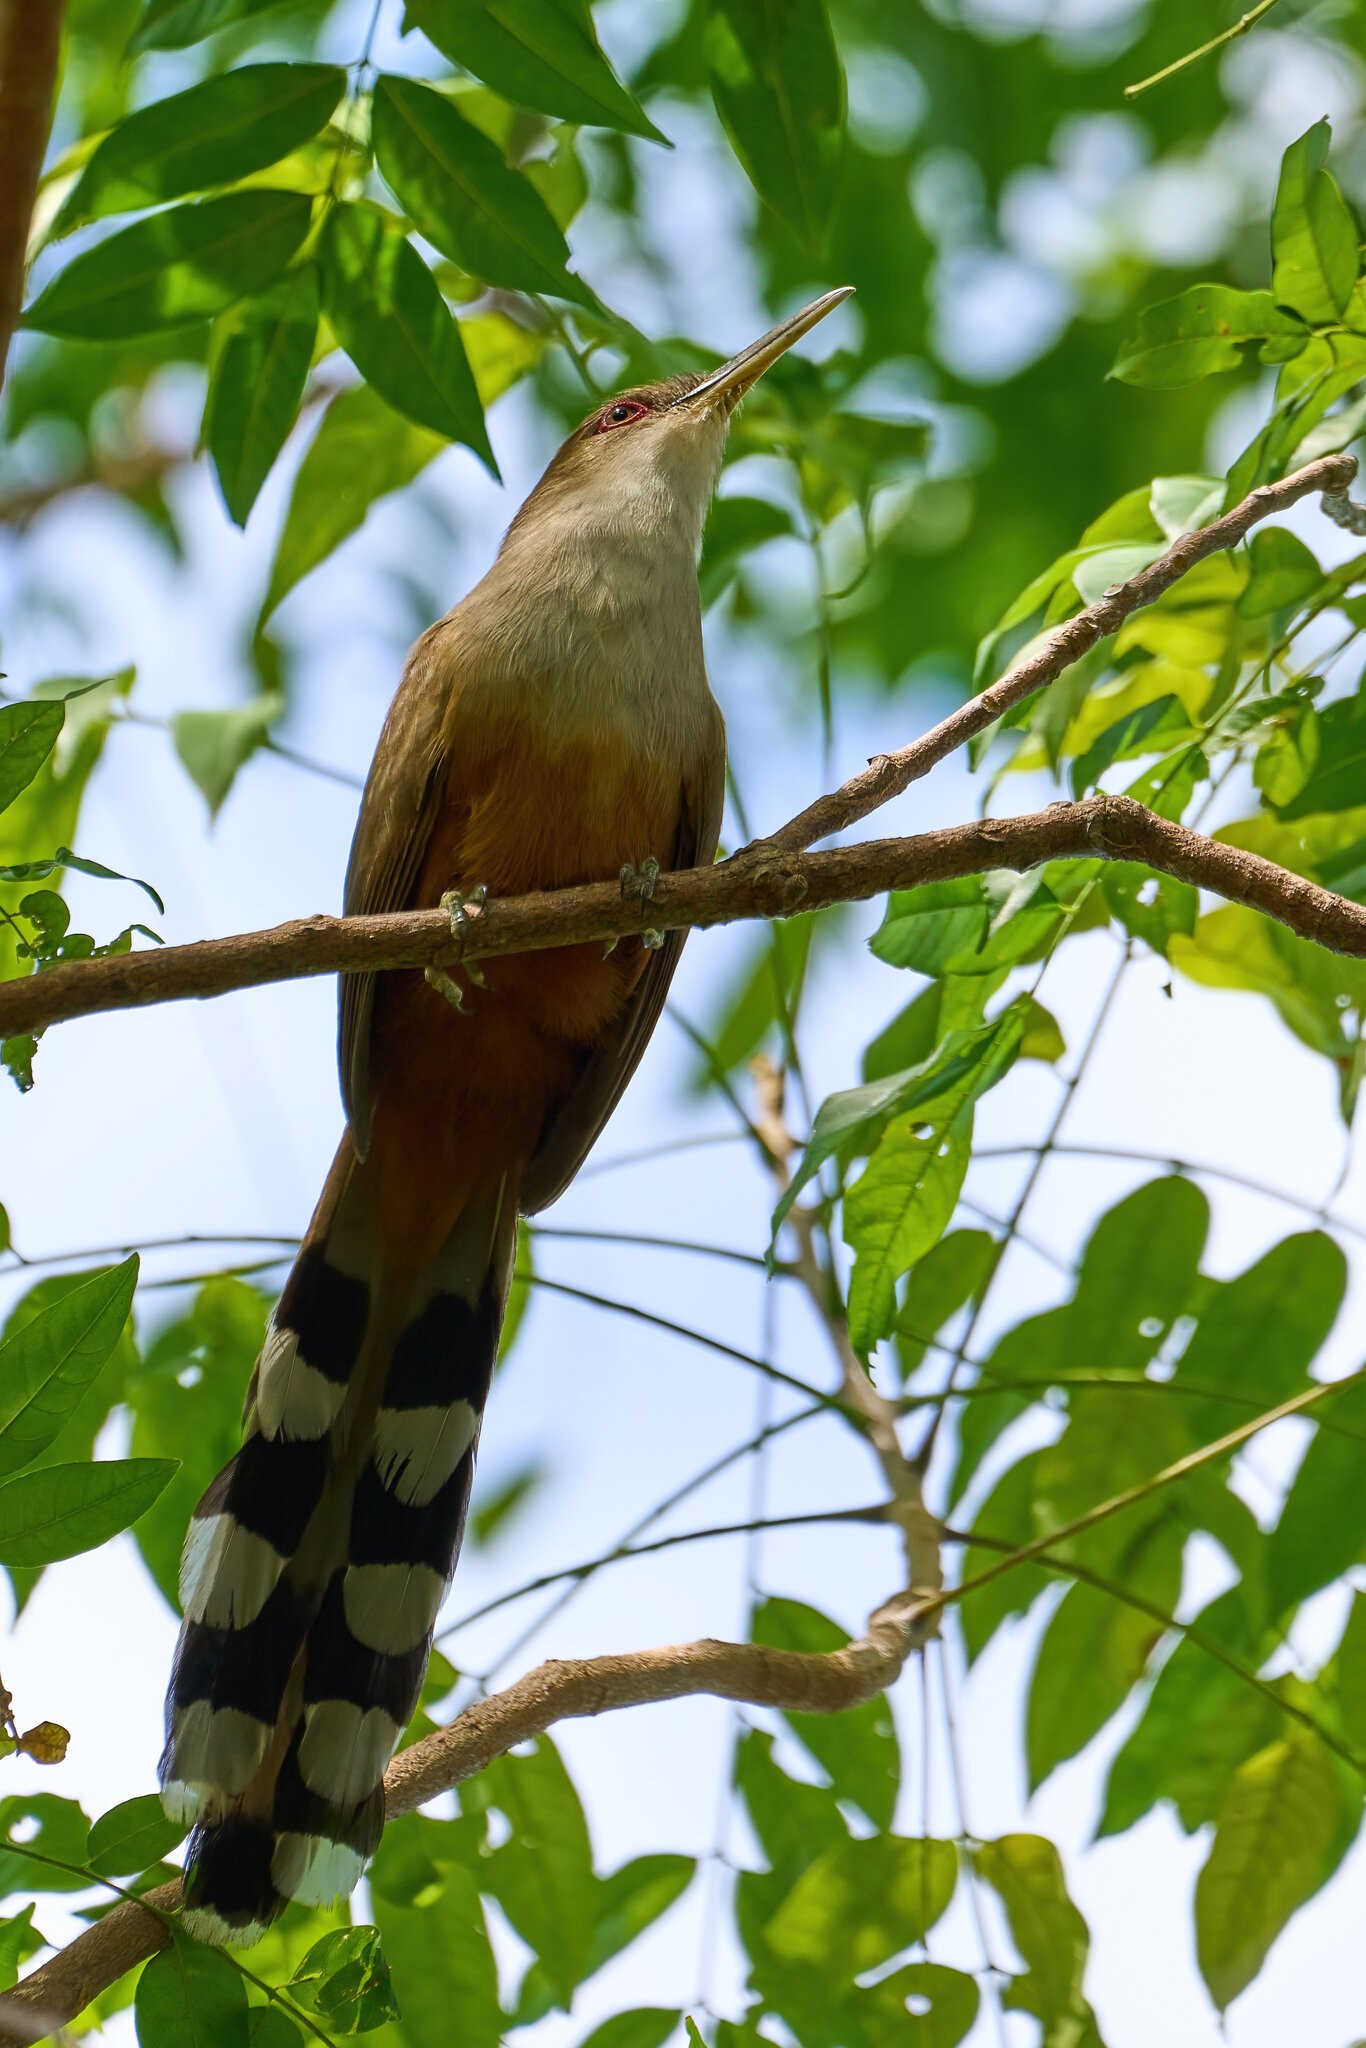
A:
(457, 904)
(437, 978)
(640, 883)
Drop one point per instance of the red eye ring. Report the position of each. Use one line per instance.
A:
(620, 414)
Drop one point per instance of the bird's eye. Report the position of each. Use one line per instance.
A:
(620, 414)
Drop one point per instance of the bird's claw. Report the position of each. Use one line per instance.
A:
(640, 882)
(457, 904)
(437, 978)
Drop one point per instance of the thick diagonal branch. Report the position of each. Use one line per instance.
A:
(756, 884)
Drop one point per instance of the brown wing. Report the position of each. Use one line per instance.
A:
(397, 813)
(572, 1132)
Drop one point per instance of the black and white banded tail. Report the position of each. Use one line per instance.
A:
(317, 1560)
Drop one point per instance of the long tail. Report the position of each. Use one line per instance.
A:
(316, 1562)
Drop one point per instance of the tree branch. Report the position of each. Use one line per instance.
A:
(757, 883)
(555, 1691)
(30, 36)
(887, 775)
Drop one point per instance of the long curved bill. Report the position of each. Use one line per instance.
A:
(734, 378)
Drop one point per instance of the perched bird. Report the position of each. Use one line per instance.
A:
(556, 727)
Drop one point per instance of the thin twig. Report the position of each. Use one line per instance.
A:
(1239, 28)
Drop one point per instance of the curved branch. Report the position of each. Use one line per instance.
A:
(887, 775)
(555, 1691)
(757, 883)
(30, 37)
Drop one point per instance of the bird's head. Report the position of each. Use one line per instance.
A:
(649, 458)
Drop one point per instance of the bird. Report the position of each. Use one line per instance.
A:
(556, 727)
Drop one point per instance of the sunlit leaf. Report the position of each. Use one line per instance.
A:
(539, 53)
(384, 306)
(645, 2027)
(131, 1837)
(455, 186)
(191, 1996)
(28, 733)
(896, 1210)
(361, 452)
(542, 1876)
(1049, 1932)
(59, 1510)
(1205, 331)
(262, 353)
(1313, 236)
(858, 1749)
(861, 1902)
(213, 745)
(47, 1364)
(438, 1950)
(779, 90)
(1282, 1827)
(1322, 1526)
(212, 134)
(345, 1978)
(173, 24)
(185, 264)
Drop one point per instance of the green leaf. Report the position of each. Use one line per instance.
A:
(1149, 905)
(186, 1397)
(862, 1902)
(438, 1949)
(1094, 1651)
(50, 1827)
(939, 1088)
(627, 1902)
(542, 1876)
(949, 1276)
(1337, 781)
(19, 1938)
(345, 1977)
(190, 1996)
(454, 185)
(495, 1510)
(1284, 574)
(1259, 1333)
(779, 90)
(47, 1364)
(40, 870)
(1200, 1723)
(362, 451)
(1313, 236)
(735, 528)
(387, 313)
(1322, 1526)
(1279, 1837)
(858, 1749)
(260, 365)
(975, 925)
(1026, 1874)
(28, 733)
(213, 134)
(538, 53)
(270, 2027)
(1204, 331)
(1349, 1675)
(131, 1837)
(174, 24)
(896, 1211)
(648, 2026)
(213, 745)
(62, 1509)
(185, 264)
(1151, 729)
(944, 2003)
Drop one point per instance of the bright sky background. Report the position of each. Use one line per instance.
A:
(223, 1118)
